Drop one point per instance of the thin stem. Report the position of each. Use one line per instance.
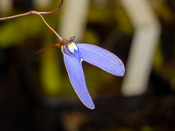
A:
(14, 16)
(36, 13)
(32, 12)
(45, 48)
(50, 12)
(40, 14)
(59, 37)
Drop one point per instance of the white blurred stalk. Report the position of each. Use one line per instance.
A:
(39, 4)
(5, 6)
(147, 31)
(74, 18)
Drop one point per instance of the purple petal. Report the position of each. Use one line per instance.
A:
(102, 58)
(72, 39)
(76, 76)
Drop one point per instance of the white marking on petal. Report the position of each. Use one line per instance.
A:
(72, 47)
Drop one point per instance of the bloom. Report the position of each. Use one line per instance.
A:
(74, 54)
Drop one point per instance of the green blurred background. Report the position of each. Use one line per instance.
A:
(36, 94)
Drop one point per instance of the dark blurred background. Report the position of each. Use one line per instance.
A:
(35, 92)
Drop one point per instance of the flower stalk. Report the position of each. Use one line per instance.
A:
(32, 12)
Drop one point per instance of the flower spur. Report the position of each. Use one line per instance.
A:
(74, 54)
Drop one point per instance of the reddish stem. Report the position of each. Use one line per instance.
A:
(50, 12)
(14, 16)
(40, 14)
(32, 12)
(59, 37)
(45, 48)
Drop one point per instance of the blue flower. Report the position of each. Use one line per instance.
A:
(74, 54)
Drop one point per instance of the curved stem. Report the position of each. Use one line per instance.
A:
(40, 14)
(32, 13)
(50, 12)
(59, 37)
